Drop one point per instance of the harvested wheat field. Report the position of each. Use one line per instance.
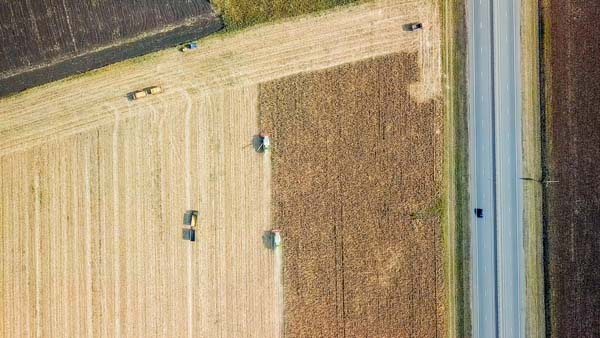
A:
(257, 55)
(357, 191)
(573, 198)
(91, 228)
(94, 187)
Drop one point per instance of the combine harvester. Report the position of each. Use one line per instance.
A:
(276, 237)
(265, 141)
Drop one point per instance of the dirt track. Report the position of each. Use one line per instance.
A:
(357, 186)
(573, 214)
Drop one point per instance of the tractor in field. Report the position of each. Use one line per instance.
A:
(138, 94)
(265, 140)
(190, 220)
(276, 237)
(415, 26)
(154, 90)
(188, 46)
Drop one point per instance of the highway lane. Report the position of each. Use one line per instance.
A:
(510, 264)
(495, 167)
(481, 156)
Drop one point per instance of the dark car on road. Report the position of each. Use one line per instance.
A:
(479, 212)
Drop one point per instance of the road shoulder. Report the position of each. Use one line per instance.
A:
(457, 235)
(532, 171)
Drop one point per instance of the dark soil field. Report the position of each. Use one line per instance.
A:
(357, 191)
(35, 34)
(573, 203)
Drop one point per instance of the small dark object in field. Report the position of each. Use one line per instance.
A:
(189, 235)
(411, 27)
(190, 216)
(188, 46)
(261, 142)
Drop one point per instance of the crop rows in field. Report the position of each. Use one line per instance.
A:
(90, 228)
(255, 56)
(51, 29)
(573, 202)
(357, 191)
(43, 41)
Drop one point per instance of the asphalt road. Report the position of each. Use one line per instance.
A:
(495, 169)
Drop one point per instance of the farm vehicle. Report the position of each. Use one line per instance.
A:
(415, 26)
(276, 237)
(265, 141)
(138, 94)
(188, 46)
(190, 220)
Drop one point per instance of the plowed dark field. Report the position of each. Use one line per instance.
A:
(573, 215)
(357, 191)
(38, 33)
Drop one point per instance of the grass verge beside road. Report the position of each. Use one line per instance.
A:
(457, 226)
(532, 171)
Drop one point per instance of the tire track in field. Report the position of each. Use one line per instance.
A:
(253, 56)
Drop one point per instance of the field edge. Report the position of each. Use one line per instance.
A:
(456, 225)
(139, 47)
(545, 59)
(250, 17)
(532, 171)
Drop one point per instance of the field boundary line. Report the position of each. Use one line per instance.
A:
(76, 102)
(545, 111)
(456, 223)
(82, 62)
(532, 170)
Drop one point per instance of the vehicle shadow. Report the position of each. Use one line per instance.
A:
(267, 239)
(257, 144)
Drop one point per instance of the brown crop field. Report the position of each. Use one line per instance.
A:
(93, 187)
(43, 41)
(357, 191)
(573, 136)
(42, 32)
